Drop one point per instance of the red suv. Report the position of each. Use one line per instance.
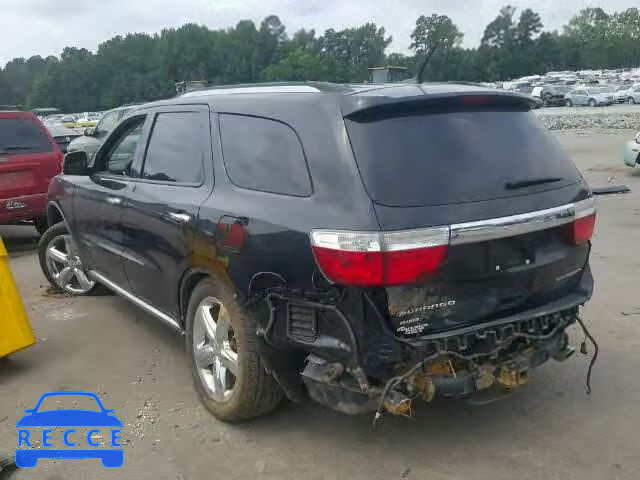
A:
(29, 159)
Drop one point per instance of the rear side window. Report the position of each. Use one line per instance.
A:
(175, 150)
(265, 155)
(22, 135)
(442, 157)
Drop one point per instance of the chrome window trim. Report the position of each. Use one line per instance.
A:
(494, 228)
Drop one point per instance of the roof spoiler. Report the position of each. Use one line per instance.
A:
(467, 96)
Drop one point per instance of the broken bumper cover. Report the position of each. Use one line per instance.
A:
(346, 361)
(455, 369)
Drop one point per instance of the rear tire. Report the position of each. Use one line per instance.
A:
(568, 103)
(220, 337)
(593, 103)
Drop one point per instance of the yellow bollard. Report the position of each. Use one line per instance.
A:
(15, 330)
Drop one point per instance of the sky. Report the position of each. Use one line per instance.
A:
(45, 27)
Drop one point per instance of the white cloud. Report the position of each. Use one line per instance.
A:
(45, 27)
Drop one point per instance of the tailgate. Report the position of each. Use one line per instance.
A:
(511, 199)
(22, 175)
(488, 279)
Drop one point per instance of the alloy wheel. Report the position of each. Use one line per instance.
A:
(65, 266)
(215, 350)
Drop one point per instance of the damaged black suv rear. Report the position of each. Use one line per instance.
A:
(364, 246)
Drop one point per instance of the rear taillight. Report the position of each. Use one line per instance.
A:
(585, 220)
(380, 258)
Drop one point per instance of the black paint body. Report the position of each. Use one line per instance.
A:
(125, 229)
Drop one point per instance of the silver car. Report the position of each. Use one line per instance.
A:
(632, 152)
(633, 95)
(591, 96)
(93, 137)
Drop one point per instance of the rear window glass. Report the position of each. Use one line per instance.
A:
(264, 155)
(443, 157)
(175, 151)
(22, 135)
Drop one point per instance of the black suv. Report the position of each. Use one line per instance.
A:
(361, 245)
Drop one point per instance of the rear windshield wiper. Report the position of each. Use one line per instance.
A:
(516, 184)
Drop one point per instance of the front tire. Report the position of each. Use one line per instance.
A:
(631, 100)
(593, 103)
(568, 103)
(222, 346)
(61, 265)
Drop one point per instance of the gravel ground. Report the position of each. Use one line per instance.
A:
(618, 117)
(549, 430)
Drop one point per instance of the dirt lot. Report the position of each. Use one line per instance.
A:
(549, 430)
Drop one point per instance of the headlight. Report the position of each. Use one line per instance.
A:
(637, 138)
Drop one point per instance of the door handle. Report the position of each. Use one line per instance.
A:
(114, 200)
(179, 217)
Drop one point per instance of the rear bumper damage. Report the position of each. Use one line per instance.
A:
(338, 348)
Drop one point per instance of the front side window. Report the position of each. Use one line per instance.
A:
(175, 150)
(120, 155)
(264, 155)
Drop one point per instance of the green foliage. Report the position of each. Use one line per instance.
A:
(141, 67)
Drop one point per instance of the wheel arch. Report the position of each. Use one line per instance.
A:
(55, 215)
(192, 277)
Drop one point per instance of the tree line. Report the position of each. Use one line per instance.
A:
(141, 67)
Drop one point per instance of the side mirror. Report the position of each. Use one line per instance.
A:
(89, 132)
(76, 163)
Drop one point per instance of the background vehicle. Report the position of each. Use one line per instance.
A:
(55, 119)
(591, 96)
(520, 87)
(554, 95)
(633, 94)
(29, 159)
(315, 266)
(93, 137)
(68, 120)
(632, 151)
(62, 135)
(621, 93)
